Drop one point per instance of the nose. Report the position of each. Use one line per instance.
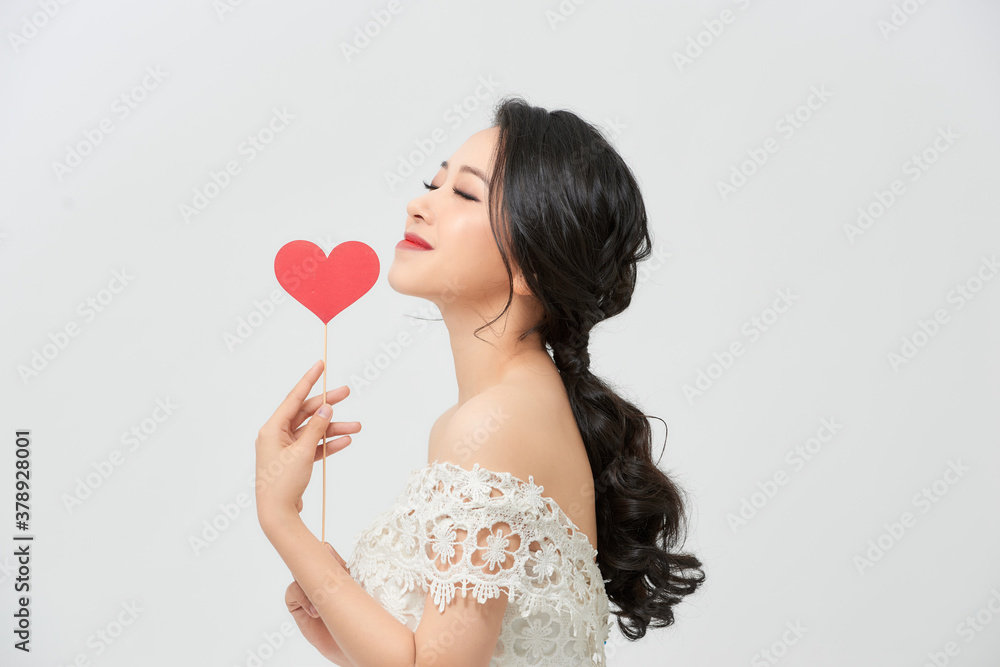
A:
(416, 208)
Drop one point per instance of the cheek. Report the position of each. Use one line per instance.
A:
(483, 274)
(483, 256)
(470, 266)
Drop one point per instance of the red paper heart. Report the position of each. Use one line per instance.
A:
(326, 285)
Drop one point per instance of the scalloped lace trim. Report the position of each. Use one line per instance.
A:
(454, 529)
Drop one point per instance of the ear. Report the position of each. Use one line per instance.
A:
(520, 285)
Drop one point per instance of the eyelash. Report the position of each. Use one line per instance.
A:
(457, 192)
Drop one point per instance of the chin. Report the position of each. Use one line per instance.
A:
(390, 279)
(399, 283)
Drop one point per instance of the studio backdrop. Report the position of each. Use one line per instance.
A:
(817, 324)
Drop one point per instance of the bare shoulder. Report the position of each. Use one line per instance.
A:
(437, 427)
(489, 429)
(525, 427)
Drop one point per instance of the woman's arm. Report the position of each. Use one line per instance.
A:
(286, 450)
(310, 624)
(366, 633)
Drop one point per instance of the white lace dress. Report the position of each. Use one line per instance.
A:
(484, 532)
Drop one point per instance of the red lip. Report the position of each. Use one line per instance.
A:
(411, 240)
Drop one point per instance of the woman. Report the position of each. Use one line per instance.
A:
(536, 224)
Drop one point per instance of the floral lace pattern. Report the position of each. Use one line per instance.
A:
(454, 529)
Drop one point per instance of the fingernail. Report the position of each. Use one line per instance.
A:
(312, 610)
(324, 411)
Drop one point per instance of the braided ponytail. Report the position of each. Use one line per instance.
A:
(572, 219)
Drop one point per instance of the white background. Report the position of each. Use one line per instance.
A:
(683, 127)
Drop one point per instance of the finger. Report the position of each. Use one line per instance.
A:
(309, 435)
(334, 429)
(333, 397)
(332, 447)
(294, 596)
(342, 428)
(293, 401)
(296, 600)
(302, 617)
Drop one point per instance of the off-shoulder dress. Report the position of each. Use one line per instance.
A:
(486, 533)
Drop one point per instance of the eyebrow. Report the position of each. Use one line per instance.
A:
(465, 167)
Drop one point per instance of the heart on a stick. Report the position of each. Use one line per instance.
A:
(326, 285)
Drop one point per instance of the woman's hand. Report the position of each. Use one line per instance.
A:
(310, 624)
(286, 450)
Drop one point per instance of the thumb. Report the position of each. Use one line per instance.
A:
(320, 420)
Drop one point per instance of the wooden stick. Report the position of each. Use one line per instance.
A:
(323, 528)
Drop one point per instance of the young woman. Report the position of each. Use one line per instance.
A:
(528, 236)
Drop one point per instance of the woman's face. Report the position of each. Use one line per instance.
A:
(464, 264)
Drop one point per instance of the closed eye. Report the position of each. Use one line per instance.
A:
(456, 190)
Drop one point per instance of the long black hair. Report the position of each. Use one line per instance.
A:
(567, 210)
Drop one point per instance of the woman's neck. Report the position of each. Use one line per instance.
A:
(484, 359)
